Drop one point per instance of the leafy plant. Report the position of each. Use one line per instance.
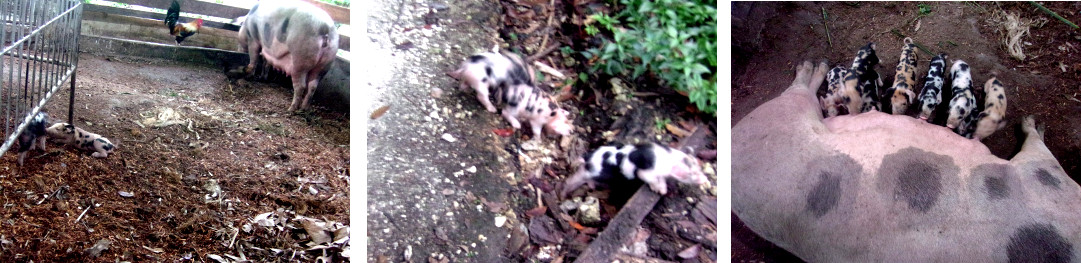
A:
(592, 30)
(660, 123)
(674, 40)
(924, 9)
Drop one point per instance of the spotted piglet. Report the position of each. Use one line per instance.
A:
(904, 80)
(601, 165)
(834, 83)
(69, 134)
(869, 84)
(654, 163)
(931, 95)
(529, 103)
(993, 116)
(33, 135)
(649, 162)
(484, 71)
(862, 66)
(963, 102)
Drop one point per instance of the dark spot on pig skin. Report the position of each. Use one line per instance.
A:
(1038, 243)
(994, 179)
(919, 185)
(606, 155)
(488, 70)
(1000, 96)
(964, 67)
(619, 158)
(1047, 179)
(476, 58)
(916, 176)
(285, 26)
(642, 157)
(107, 147)
(266, 34)
(996, 187)
(824, 195)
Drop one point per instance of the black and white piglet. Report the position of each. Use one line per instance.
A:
(533, 105)
(931, 95)
(69, 134)
(514, 88)
(33, 135)
(964, 102)
(649, 162)
(484, 71)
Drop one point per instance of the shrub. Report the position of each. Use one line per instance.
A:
(674, 40)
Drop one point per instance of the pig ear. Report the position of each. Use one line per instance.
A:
(911, 95)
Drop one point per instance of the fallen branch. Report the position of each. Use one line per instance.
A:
(1053, 14)
(550, 70)
(542, 53)
(548, 25)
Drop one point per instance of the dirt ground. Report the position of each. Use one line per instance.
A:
(193, 188)
(770, 38)
(433, 199)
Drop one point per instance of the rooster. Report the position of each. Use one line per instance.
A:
(180, 30)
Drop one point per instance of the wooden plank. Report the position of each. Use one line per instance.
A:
(164, 37)
(194, 7)
(621, 228)
(149, 30)
(339, 14)
(155, 16)
(624, 225)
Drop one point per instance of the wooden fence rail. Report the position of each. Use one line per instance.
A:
(339, 14)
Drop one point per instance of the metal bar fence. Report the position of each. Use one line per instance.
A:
(39, 44)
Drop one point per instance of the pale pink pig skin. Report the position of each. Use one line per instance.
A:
(294, 37)
(667, 162)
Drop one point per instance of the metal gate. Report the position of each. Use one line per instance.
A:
(38, 55)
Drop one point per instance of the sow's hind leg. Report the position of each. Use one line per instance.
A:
(1036, 160)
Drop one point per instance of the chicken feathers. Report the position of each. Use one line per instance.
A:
(180, 30)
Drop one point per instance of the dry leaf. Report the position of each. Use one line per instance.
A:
(503, 132)
(536, 211)
(380, 111)
(675, 130)
(690, 252)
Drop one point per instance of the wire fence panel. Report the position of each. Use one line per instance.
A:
(38, 55)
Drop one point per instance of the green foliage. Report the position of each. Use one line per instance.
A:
(660, 123)
(674, 40)
(924, 9)
(592, 30)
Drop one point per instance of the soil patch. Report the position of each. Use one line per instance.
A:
(225, 152)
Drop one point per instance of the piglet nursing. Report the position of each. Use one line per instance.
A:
(649, 162)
